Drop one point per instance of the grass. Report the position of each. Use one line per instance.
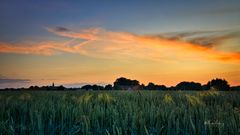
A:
(120, 112)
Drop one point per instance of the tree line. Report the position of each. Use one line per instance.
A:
(128, 84)
(123, 83)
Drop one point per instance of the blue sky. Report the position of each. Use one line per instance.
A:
(20, 20)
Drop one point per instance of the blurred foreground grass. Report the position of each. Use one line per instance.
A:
(120, 112)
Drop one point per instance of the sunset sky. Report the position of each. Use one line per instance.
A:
(78, 42)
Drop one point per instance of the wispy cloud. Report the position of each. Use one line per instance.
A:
(5, 80)
(101, 43)
(87, 34)
(61, 29)
(40, 48)
(208, 38)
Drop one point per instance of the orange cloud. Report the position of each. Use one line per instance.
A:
(41, 48)
(101, 43)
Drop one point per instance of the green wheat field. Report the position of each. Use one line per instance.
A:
(120, 112)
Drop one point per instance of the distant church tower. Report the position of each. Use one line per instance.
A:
(53, 84)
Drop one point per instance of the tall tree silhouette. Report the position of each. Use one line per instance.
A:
(125, 84)
(219, 84)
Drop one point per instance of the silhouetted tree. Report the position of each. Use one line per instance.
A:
(108, 87)
(142, 87)
(152, 86)
(87, 87)
(34, 88)
(124, 84)
(97, 87)
(205, 87)
(188, 86)
(48, 88)
(218, 84)
(92, 87)
(172, 88)
(60, 88)
(161, 87)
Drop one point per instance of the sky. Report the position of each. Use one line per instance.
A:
(73, 43)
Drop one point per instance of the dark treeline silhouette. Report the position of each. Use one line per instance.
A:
(92, 87)
(126, 84)
(152, 86)
(219, 84)
(189, 86)
(123, 83)
(47, 88)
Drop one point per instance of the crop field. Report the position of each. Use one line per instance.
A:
(120, 112)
